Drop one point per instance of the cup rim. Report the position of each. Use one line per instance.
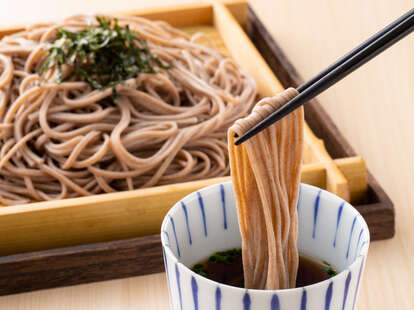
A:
(341, 274)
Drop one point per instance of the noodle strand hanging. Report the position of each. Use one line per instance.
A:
(266, 174)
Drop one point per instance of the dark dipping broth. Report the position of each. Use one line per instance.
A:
(227, 267)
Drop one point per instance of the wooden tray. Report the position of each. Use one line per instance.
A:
(46, 225)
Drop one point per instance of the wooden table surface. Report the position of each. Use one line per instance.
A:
(374, 108)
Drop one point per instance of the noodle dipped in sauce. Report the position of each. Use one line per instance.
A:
(68, 129)
(266, 174)
(226, 267)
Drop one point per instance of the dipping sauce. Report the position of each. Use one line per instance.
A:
(227, 267)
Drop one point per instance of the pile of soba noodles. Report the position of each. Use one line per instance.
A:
(62, 137)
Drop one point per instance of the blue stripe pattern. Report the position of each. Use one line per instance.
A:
(177, 275)
(350, 236)
(168, 237)
(359, 240)
(315, 213)
(223, 204)
(347, 282)
(362, 245)
(357, 286)
(218, 298)
(303, 300)
(328, 296)
(194, 288)
(175, 236)
(246, 301)
(166, 271)
(203, 214)
(274, 303)
(186, 222)
(338, 220)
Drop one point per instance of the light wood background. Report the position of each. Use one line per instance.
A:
(374, 108)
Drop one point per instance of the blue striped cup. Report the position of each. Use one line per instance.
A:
(205, 222)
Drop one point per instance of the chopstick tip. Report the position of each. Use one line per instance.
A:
(240, 140)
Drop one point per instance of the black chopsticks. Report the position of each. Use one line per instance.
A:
(339, 69)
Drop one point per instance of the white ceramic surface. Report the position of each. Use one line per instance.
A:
(205, 222)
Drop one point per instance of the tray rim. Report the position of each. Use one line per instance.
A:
(21, 272)
(342, 149)
(77, 221)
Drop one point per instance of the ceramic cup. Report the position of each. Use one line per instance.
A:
(205, 222)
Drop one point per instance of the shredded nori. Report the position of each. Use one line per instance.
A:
(329, 269)
(199, 268)
(227, 257)
(103, 56)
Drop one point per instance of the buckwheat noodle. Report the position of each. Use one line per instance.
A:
(62, 140)
(266, 174)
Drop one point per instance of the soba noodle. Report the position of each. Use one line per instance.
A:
(266, 174)
(65, 139)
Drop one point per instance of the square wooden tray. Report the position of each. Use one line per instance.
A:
(98, 229)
